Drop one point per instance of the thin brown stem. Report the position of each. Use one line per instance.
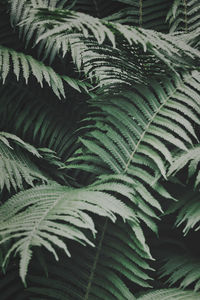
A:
(186, 15)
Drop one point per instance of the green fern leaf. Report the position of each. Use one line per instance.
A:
(39, 70)
(181, 269)
(16, 167)
(31, 217)
(184, 15)
(87, 49)
(171, 294)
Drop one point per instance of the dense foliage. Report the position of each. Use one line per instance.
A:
(99, 146)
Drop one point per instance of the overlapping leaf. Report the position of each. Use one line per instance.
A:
(147, 14)
(172, 294)
(16, 166)
(35, 218)
(184, 15)
(183, 270)
(24, 66)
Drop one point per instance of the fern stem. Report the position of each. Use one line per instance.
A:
(140, 13)
(145, 131)
(96, 260)
(185, 13)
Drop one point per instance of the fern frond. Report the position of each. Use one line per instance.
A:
(182, 269)
(98, 268)
(84, 36)
(55, 286)
(134, 135)
(187, 210)
(170, 294)
(189, 158)
(145, 113)
(147, 14)
(184, 15)
(63, 22)
(25, 66)
(146, 122)
(33, 217)
(16, 166)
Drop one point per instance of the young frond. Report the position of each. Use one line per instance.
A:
(35, 218)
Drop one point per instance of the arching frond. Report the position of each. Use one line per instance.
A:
(139, 132)
(131, 127)
(150, 53)
(187, 209)
(134, 134)
(16, 166)
(35, 218)
(38, 117)
(74, 277)
(184, 15)
(190, 159)
(170, 294)
(163, 51)
(147, 14)
(24, 66)
(183, 270)
(64, 21)
(99, 270)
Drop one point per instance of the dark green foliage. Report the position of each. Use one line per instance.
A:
(172, 294)
(144, 13)
(184, 15)
(99, 149)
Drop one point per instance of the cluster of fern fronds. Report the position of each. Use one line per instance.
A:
(99, 149)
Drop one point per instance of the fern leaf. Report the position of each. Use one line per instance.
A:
(171, 294)
(184, 15)
(39, 70)
(147, 14)
(16, 166)
(181, 269)
(143, 148)
(92, 32)
(32, 216)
